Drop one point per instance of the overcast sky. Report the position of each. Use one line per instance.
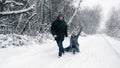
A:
(105, 4)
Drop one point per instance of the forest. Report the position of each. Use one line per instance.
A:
(34, 17)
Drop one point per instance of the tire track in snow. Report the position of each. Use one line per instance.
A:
(110, 45)
(88, 57)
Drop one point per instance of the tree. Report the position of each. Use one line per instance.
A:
(89, 18)
(19, 13)
(113, 24)
(11, 11)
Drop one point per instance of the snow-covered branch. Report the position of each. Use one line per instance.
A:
(69, 22)
(18, 11)
(14, 2)
(27, 22)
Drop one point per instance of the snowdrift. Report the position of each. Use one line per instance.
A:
(14, 40)
(95, 53)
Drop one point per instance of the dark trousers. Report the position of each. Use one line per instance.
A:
(76, 47)
(60, 45)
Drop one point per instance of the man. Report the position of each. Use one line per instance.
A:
(59, 31)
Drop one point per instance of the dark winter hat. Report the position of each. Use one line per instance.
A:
(60, 16)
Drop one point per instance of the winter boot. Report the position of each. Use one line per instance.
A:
(60, 54)
(74, 51)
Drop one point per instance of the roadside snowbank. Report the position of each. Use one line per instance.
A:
(95, 53)
(14, 40)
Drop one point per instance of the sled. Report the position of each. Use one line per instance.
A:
(71, 50)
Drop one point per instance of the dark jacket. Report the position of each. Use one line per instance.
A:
(74, 42)
(59, 28)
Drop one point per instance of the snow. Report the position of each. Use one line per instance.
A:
(14, 40)
(95, 53)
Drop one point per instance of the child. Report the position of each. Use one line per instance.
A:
(74, 45)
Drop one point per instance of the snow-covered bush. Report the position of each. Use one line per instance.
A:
(41, 38)
(14, 40)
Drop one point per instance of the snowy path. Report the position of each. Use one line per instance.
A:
(95, 53)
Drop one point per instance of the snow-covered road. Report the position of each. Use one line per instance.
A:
(95, 53)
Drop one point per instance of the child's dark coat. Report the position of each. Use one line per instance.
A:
(74, 42)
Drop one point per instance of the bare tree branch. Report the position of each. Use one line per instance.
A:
(17, 3)
(18, 11)
(27, 23)
(69, 22)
